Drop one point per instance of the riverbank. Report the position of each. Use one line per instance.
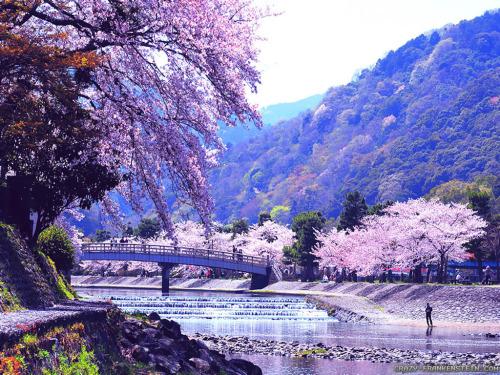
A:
(397, 304)
(239, 344)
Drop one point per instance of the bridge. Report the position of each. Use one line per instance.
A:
(168, 256)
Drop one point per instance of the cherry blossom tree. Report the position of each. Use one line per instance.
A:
(169, 72)
(267, 239)
(408, 235)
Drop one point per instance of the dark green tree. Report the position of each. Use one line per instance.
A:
(55, 244)
(239, 227)
(148, 228)
(263, 217)
(102, 235)
(355, 209)
(479, 202)
(128, 230)
(301, 252)
(47, 138)
(377, 209)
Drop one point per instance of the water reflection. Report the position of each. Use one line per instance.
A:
(272, 365)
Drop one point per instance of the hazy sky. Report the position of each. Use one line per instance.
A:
(317, 44)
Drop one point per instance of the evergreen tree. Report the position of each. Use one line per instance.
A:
(377, 209)
(148, 228)
(239, 227)
(102, 235)
(301, 252)
(263, 217)
(355, 209)
(479, 202)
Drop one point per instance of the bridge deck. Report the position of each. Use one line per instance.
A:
(176, 255)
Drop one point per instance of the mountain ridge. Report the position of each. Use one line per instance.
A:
(425, 114)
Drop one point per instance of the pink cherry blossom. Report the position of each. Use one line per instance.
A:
(172, 72)
(409, 234)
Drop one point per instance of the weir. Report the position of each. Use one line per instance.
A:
(262, 270)
(221, 307)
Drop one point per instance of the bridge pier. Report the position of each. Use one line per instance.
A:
(165, 275)
(259, 281)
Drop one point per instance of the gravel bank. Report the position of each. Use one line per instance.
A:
(236, 344)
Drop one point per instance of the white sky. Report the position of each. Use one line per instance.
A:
(317, 44)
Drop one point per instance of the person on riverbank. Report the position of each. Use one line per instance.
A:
(428, 312)
(487, 275)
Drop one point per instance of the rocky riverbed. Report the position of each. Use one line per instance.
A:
(237, 344)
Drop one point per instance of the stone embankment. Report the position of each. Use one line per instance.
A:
(155, 283)
(13, 325)
(236, 344)
(405, 303)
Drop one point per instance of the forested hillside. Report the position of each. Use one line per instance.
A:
(425, 114)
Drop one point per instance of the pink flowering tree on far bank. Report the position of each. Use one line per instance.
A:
(409, 234)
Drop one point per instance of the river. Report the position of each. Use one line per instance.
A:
(285, 318)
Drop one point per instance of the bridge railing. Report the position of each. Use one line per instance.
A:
(138, 248)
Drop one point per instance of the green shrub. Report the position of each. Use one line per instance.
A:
(54, 243)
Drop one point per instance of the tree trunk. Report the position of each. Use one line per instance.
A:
(480, 269)
(429, 268)
(309, 274)
(382, 278)
(417, 274)
(498, 268)
(391, 280)
(440, 269)
(446, 269)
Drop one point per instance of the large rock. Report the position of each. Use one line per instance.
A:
(170, 328)
(200, 364)
(140, 353)
(167, 364)
(248, 367)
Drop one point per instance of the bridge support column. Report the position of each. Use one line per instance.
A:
(165, 275)
(260, 281)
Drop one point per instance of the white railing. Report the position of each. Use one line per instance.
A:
(133, 248)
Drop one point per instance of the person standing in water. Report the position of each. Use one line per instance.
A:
(428, 312)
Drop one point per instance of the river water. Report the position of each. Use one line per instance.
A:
(285, 318)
